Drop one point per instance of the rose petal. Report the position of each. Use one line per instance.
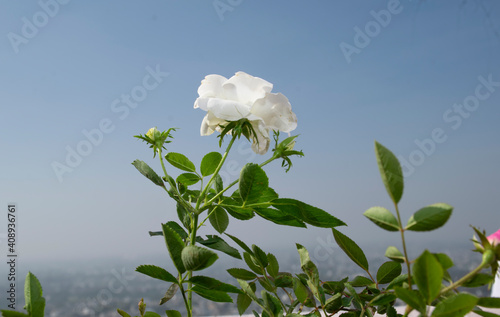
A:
(276, 111)
(261, 140)
(494, 238)
(211, 86)
(246, 88)
(210, 124)
(229, 110)
(201, 103)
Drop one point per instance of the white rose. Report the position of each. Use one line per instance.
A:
(244, 96)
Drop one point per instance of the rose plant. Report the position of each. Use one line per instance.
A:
(240, 106)
(245, 106)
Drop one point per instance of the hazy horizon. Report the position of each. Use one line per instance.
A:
(421, 77)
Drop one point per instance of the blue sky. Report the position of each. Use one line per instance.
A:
(401, 85)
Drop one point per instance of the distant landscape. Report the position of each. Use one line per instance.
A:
(98, 288)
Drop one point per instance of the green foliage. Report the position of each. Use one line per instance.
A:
(394, 254)
(148, 172)
(216, 243)
(180, 161)
(253, 181)
(209, 163)
(353, 251)
(156, 272)
(429, 218)
(428, 274)
(35, 302)
(426, 281)
(175, 245)
(33, 297)
(456, 305)
(382, 218)
(388, 272)
(307, 213)
(390, 171)
(219, 219)
(188, 179)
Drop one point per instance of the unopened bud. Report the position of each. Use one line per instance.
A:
(142, 307)
(152, 133)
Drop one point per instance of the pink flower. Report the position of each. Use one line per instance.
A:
(494, 239)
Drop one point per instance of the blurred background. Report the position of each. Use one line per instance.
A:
(80, 79)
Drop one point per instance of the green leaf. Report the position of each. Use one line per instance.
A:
(178, 229)
(444, 260)
(429, 218)
(183, 215)
(428, 275)
(411, 297)
(173, 313)
(151, 314)
(390, 171)
(307, 213)
(209, 163)
(484, 313)
(283, 279)
(35, 303)
(398, 281)
(334, 303)
(196, 258)
(478, 280)
(156, 272)
(175, 245)
(253, 181)
(279, 217)
(357, 300)
(383, 299)
(148, 172)
(242, 274)
(188, 179)
(121, 312)
(394, 254)
(252, 262)
(216, 243)
(267, 284)
(388, 271)
(307, 265)
(180, 161)
(213, 284)
(219, 219)
(489, 302)
(267, 195)
(300, 290)
(335, 287)
(273, 267)
(350, 248)
(382, 218)
(247, 289)
(243, 301)
(11, 313)
(240, 243)
(360, 281)
(219, 185)
(169, 294)
(235, 209)
(272, 303)
(456, 305)
(260, 255)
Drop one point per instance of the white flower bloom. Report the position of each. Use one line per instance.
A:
(244, 96)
